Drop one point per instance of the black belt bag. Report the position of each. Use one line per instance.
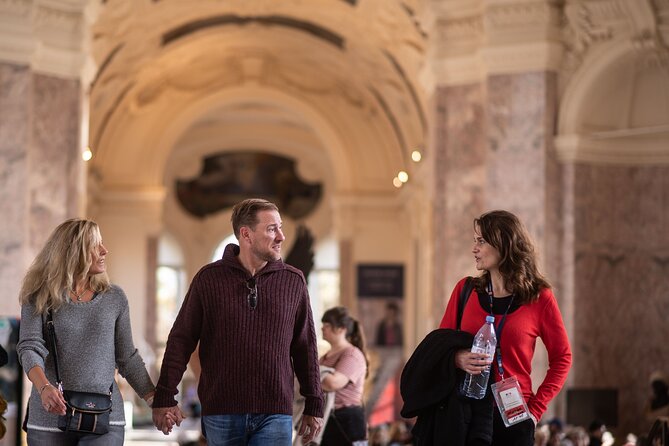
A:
(86, 412)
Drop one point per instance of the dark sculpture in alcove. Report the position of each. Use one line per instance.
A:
(230, 177)
(301, 256)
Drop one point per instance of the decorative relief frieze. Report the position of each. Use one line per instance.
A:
(647, 35)
(607, 10)
(48, 36)
(461, 29)
(521, 14)
(15, 8)
(583, 28)
(588, 24)
(59, 19)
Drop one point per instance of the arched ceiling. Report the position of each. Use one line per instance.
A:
(343, 71)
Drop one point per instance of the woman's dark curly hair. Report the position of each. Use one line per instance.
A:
(518, 263)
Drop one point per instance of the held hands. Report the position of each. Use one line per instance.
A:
(52, 400)
(164, 418)
(472, 363)
(149, 398)
(309, 427)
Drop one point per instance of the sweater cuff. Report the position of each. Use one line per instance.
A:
(163, 398)
(536, 411)
(313, 407)
(30, 361)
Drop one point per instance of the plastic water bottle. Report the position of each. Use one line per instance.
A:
(485, 342)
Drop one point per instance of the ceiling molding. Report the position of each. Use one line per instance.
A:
(314, 29)
(650, 147)
(495, 38)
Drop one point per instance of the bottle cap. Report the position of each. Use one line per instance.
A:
(490, 319)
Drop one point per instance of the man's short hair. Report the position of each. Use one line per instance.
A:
(245, 213)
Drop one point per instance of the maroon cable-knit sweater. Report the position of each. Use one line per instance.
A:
(247, 355)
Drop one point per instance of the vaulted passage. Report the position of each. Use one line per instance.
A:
(382, 128)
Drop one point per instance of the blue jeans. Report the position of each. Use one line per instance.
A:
(249, 429)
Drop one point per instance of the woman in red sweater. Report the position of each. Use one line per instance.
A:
(512, 289)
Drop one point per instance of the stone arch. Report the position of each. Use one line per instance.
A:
(605, 115)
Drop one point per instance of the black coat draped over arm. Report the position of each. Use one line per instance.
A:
(429, 388)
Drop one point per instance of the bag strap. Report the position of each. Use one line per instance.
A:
(51, 334)
(464, 297)
(340, 428)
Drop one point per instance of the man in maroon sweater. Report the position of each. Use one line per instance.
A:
(250, 312)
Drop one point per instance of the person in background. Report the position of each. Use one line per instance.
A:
(3, 404)
(347, 423)
(512, 289)
(596, 432)
(658, 404)
(557, 435)
(250, 314)
(91, 318)
(389, 330)
(578, 436)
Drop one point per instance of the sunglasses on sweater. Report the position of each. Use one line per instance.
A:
(252, 298)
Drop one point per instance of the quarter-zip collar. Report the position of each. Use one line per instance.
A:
(231, 259)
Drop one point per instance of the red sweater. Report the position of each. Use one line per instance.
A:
(247, 355)
(521, 329)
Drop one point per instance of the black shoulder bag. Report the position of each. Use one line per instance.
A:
(86, 412)
(463, 298)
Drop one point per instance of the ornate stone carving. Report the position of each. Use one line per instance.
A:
(450, 31)
(641, 22)
(522, 14)
(16, 8)
(583, 28)
(63, 20)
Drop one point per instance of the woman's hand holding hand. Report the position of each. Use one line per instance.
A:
(52, 400)
(149, 398)
(472, 363)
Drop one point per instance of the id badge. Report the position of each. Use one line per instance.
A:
(510, 402)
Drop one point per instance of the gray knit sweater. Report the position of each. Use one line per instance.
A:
(94, 338)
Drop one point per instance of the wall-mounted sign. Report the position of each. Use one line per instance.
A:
(380, 280)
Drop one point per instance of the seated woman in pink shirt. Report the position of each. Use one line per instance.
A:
(346, 423)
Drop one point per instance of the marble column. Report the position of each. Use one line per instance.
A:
(40, 167)
(459, 183)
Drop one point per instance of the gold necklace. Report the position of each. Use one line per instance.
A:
(79, 296)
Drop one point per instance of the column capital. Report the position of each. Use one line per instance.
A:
(473, 41)
(49, 36)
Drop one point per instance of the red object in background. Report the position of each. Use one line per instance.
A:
(389, 404)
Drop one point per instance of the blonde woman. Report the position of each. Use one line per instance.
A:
(92, 324)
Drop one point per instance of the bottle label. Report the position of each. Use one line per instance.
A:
(510, 402)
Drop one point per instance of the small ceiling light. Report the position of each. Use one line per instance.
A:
(397, 182)
(416, 156)
(403, 176)
(87, 154)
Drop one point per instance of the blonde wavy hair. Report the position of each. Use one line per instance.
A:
(63, 262)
